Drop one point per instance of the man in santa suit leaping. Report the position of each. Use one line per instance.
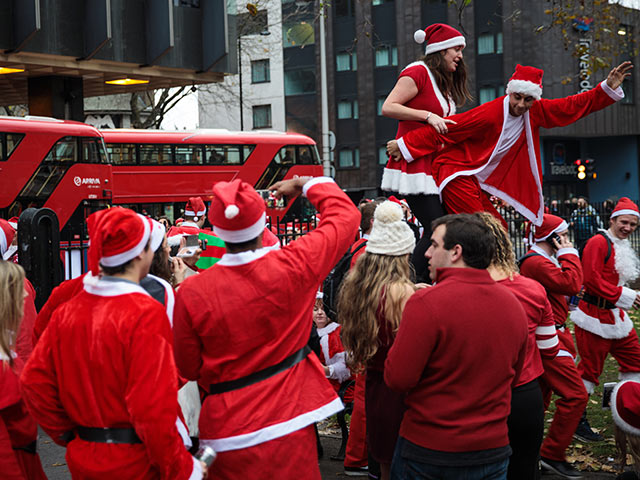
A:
(495, 147)
(602, 323)
(241, 329)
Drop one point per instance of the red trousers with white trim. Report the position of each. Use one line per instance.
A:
(561, 377)
(356, 452)
(594, 349)
(291, 457)
(464, 195)
(566, 341)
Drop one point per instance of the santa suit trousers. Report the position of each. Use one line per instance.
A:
(356, 452)
(290, 457)
(464, 195)
(593, 352)
(561, 377)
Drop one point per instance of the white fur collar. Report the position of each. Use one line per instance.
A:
(626, 260)
(328, 329)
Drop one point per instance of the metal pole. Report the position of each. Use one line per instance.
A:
(326, 162)
(240, 80)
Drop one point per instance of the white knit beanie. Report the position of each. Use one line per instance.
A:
(390, 234)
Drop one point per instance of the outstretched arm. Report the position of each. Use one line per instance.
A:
(561, 112)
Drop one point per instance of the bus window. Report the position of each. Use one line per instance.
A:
(151, 154)
(189, 155)
(65, 150)
(227, 154)
(305, 155)
(286, 155)
(92, 151)
(122, 153)
(9, 141)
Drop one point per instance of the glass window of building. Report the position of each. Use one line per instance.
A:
(386, 56)
(348, 158)
(347, 109)
(499, 48)
(486, 94)
(260, 71)
(485, 44)
(383, 158)
(379, 103)
(298, 34)
(346, 61)
(262, 116)
(297, 82)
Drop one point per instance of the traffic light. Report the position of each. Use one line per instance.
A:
(581, 169)
(591, 174)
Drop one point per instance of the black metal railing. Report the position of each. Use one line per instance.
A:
(583, 223)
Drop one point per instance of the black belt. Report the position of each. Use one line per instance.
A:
(260, 375)
(561, 325)
(108, 435)
(598, 301)
(30, 448)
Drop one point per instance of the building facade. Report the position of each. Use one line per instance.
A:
(368, 44)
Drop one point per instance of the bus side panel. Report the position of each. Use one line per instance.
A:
(81, 182)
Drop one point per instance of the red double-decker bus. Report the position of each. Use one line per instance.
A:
(44, 162)
(157, 171)
(74, 169)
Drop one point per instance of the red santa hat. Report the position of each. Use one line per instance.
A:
(13, 221)
(625, 406)
(527, 81)
(7, 232)
(237, 212)
(195, 208)
(439, 37)
(550, 224)
(118, 235)
(625, 207)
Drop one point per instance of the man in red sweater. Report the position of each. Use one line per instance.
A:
(460, 347)
(553, 262)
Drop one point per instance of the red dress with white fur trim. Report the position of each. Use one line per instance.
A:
(415, 178)
(251, 310)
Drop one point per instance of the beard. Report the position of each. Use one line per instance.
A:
(627, 262)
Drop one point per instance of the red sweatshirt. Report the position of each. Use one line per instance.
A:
(542, 338)
(460, 345)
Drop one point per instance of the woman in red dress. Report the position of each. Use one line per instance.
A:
(427, 91)
(18, 431)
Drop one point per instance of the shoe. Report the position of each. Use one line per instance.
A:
(356, 471)
(563, 469)
(585, 434)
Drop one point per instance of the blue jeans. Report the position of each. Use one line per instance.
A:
(407, 469)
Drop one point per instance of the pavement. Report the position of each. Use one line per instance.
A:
(55, 466)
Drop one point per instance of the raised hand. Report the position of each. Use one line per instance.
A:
(618, 74)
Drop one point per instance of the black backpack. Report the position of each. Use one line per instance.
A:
(331, 284)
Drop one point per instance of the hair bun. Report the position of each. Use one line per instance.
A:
(388, 212)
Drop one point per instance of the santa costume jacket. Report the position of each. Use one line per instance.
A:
(18, 430)
(561, 276)
(333, 354)
(105, 360)
(415, 178)
(605, 280)
(475, 146)
(252, 310)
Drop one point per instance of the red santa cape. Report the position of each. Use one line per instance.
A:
(472, 146)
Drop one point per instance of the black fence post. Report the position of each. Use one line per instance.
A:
(39, 250)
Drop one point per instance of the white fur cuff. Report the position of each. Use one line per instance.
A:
(567, 251)
(404, 150)
(617, 94)
(627, 297)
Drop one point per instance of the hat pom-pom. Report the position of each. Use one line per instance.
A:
(388, 212)
(419, 36)
(231, 211)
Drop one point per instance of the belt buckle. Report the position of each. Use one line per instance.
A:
(602, 303)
